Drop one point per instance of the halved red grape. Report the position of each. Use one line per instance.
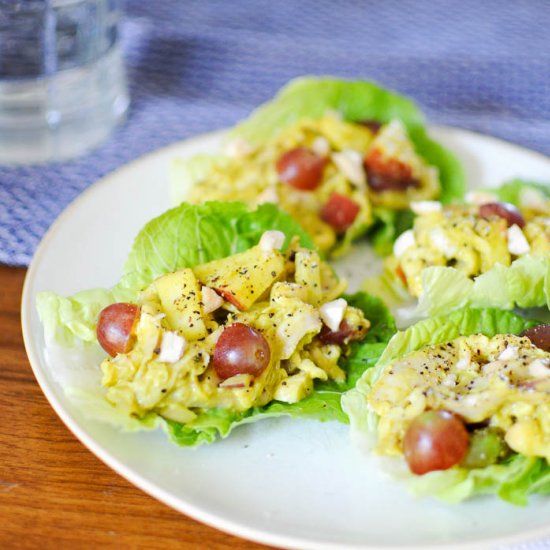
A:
(116, 327)
(240, 349)
(344, 334)
(387, 174)
(435, 440)
(339, 212)
(301, 168)
(539, 336)
(503, 210)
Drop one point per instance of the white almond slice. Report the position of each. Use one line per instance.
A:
(517, 243)
(539, 368)
(442, 243)
(268, 195)
(350, 164)
(271, 240)
(238, 148)
(493, 367)
(426, 207)
(320, 146)
(470, 401)
(449, 381)
(510, 353)
(171, 347)
(405, 241)
(332, 313)
(334, 113)
(211, 300)
(480, 197)
(463, 363)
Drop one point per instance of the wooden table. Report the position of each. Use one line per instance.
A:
(53, 492)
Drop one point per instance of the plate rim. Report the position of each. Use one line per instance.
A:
(141, 482)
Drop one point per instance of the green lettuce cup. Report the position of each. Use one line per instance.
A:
(459, 402)
(491, 251)
(203, 285)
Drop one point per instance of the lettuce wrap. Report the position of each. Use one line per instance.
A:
(186, 236)
(523, 283)
(355, 101)
(512, 478)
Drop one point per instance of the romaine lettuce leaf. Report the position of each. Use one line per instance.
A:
(388, 225)
(513, 191)
(216, 424)
(66, 320)
(184, 236)
(311, 97)
(512, 480)
(525, 283)
(355, 101)
(463, 322)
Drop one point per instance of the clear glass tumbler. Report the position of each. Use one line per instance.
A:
(62, 81)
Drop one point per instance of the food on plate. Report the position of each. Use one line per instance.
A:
(340, 157)
(327, 173)
(221, 317)
(463, 400)
(236, 333)
(483, 253)
(469, 238)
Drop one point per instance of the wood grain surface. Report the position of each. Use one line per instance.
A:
(53, 492)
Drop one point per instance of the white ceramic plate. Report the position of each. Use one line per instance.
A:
(281, 482)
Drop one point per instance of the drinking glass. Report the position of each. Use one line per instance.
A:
(62, 82)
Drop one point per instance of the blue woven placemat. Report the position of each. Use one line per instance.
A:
(197, 66)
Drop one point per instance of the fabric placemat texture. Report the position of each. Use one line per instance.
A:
(198, 66)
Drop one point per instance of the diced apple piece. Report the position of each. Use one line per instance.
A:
(294, 388)
(308, 274)
(180, 297)
(243, 278)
